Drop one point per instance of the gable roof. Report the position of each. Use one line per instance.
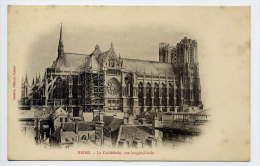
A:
(141, 66)
(70, 61)
(103, 56)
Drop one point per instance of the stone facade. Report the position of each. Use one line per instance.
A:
(103, 81)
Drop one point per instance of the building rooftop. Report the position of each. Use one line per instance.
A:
(78, 62)
(80, 126)
(130, 132)
(150, 67)
(112, 123)
(69, 126)
(85, 126)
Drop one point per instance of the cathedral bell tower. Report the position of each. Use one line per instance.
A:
(188, 70)
(184, 58)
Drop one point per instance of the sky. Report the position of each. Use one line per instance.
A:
(223, 35)
(134, 31)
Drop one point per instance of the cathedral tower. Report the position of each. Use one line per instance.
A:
(187, 69)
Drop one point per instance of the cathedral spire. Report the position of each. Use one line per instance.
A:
(26, 79)
(111, 46)
(61, 46)
(36, 78)
(39, 77)
(61, 32)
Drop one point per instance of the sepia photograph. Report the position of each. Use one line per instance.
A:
(131, 83)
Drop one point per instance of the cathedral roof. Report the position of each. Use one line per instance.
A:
(77, 62)
(73, 59)
(70, 61)
(95, 60)
(141, 66)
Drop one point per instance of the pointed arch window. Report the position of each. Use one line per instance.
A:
(171, 95)
(60, 91)
(148, 94)
(129, 85)
(179, 94)
(164, 94)
(140, 94)
(156, 95)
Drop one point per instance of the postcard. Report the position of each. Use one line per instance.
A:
(131, 83)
